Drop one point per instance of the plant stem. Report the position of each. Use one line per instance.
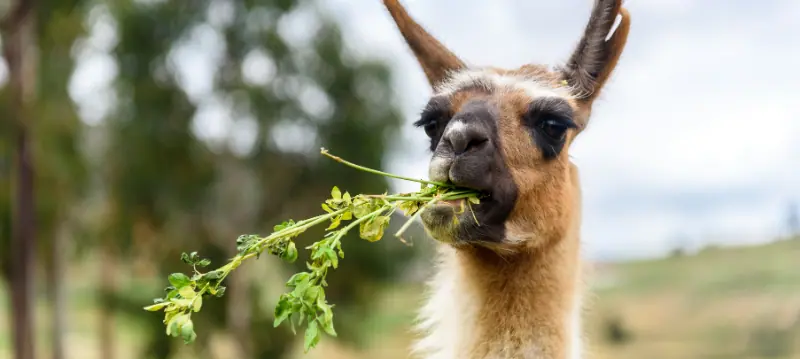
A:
(446, 197)
(370, 170)
(298, 227)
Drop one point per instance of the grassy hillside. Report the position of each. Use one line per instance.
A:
(721, 303)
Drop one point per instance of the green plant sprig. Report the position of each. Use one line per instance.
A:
(305, 302)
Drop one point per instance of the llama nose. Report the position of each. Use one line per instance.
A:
(462, 137)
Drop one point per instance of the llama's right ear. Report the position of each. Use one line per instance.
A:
(596, 55)
(436, 60)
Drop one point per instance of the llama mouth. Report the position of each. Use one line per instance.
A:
(443, 212)
(453, 202)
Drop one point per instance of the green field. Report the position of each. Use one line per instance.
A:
(739, 302)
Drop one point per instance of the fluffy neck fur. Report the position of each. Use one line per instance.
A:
(488, 307)
(521, 306)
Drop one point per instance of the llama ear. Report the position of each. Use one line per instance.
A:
(436, 60)
(596, 55)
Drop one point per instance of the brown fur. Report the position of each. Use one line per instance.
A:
(518, 299)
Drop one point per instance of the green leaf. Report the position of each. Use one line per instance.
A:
(185, 258)
(156, 307)
(326, 208)
(301, 317)
(331, 255)
(409, 207)
(474, 200)
(347, 215)
(311, 336)
(361, 206)
(346, 198)
(187, 332)
(220, 292)
(180, 303)
(336, 193)
(282, 311)
(198, 303)
(290, 254)
(172, 329)
(284, 225)
(300, 289)
(311, 294)
(175, 323)
(327, 323)
(179, 280)
(204, 263)
(335, 221)
(187, 292)
(372, 230)
(339, 249)
(291, 323)
(216, 274)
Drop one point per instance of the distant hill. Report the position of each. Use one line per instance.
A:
(739, 302)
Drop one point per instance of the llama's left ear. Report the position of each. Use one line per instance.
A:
(596, 55)
(436, 60)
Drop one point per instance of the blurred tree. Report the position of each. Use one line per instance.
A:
(61, 173)
(48, 33)
(285, 87)
(19, 43)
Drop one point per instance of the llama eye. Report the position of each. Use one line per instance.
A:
(430, 129)
(554, 129)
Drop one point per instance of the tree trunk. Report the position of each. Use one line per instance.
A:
(107, 287)
(18, 42)
(56, 285)
(23, 247)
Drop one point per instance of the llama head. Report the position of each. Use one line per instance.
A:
(507, 132)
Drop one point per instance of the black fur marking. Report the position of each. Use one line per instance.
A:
(434, 118)
(548, 120)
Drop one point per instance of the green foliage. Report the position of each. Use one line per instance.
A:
(306, 302)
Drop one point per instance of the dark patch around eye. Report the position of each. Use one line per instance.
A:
(434, 119)
(549, 120)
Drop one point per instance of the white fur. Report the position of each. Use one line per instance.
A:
(447, 317)
(575, 328)
(614, 27)
(496, 82)
(439, 168)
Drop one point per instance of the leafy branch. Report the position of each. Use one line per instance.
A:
(305, 302)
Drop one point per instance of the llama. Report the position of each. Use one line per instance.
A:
(508, 281)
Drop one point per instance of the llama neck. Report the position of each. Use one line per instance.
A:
(523, 306)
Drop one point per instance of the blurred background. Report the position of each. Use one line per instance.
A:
(134, 130)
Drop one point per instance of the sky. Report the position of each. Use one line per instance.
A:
(692, 142)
